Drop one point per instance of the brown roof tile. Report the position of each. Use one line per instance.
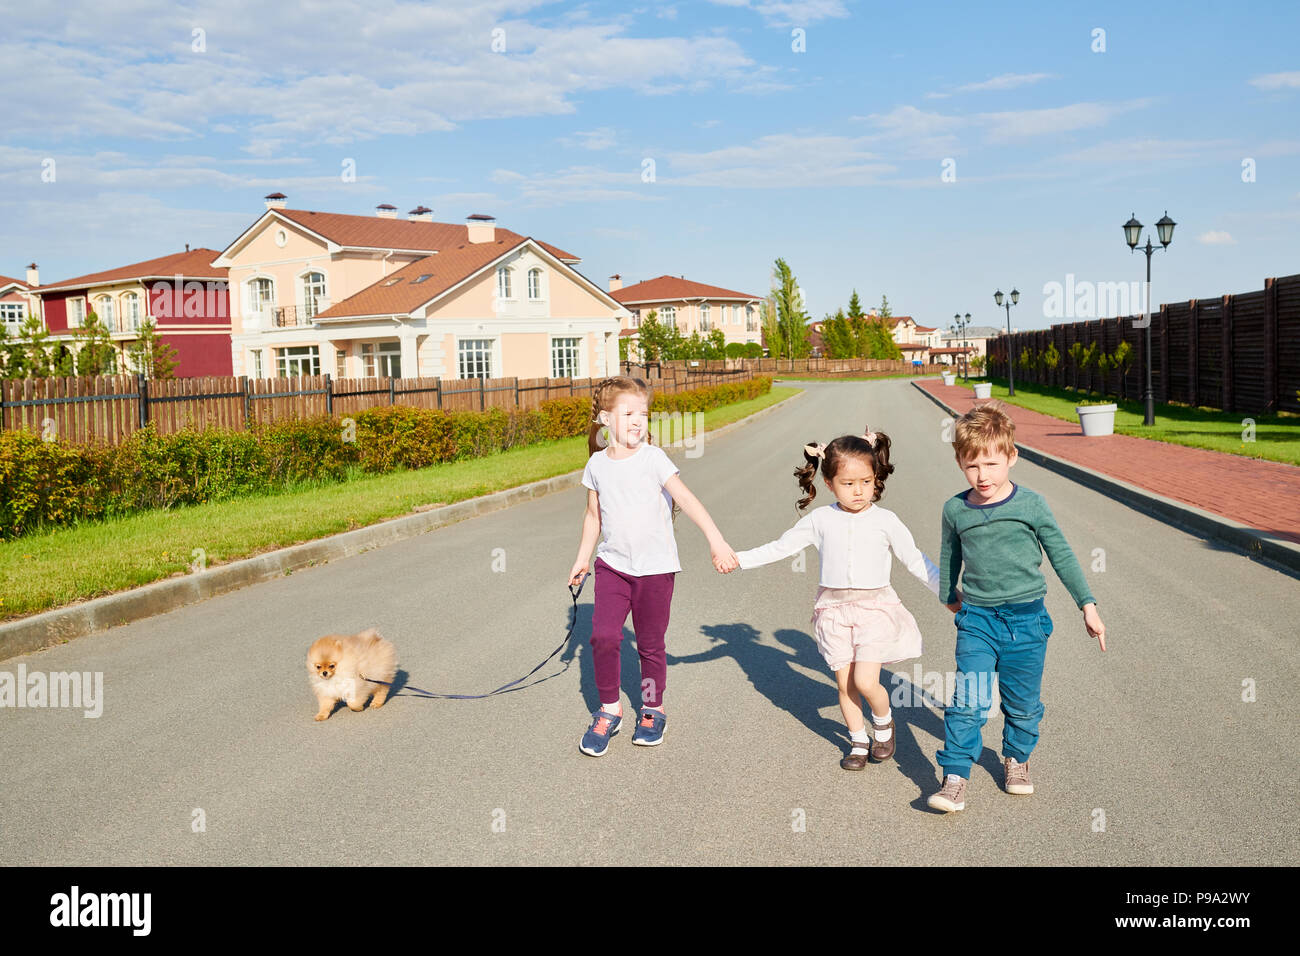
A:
(672, 287)
(374, 232)
(192, 265)
(445, 269)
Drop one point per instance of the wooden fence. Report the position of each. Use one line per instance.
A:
(1240, 353)
(109, 408)
(820, 367)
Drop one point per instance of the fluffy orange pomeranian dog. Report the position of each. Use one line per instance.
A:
(339, 665)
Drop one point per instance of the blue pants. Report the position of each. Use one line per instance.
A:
(1011, 641)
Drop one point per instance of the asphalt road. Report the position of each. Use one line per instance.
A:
(1148, 755)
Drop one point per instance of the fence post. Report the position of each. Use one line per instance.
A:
(438, 390)
(143, 387)
(1271, 403)
(248, 400)
(517, 391)
(1193, 347)
(1225, 353)
(392, 396)
(329, 395)
(481, 393)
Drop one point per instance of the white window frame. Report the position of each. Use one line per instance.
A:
(107, 317)
(668, 315)
(294, 356)
(257, 363)
(534, 284)
(751, 319)
(310, 302)
(706, 317)
(504, 283)
(7, 314)
(131, 311)
(340, 363)
(253, 303)
(486, 351)
(377, 359)
(577, 350)
(77, 312)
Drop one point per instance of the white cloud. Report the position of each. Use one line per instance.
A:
(1277, 81)
(1216, 237)
(1007, 81)
(790, 12)
(780, 161)
(1022, 124)
(601, 138)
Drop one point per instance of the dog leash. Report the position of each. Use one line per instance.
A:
(572, 623)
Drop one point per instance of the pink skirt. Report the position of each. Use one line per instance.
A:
(864, 624)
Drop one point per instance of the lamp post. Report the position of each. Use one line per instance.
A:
(1132, 234)
(958, 328)
(1011, 368)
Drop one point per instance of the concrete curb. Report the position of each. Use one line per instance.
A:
(1279, 555)
(60, 625)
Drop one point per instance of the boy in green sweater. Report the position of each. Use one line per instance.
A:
(995, 534)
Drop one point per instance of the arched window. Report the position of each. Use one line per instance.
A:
(534, 283)
(131, 311)
(261, 295)
(503, 282)
(705, 321)
(313, 293)
(104, 309)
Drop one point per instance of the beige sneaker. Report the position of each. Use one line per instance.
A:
(952, 796)
(1017, 776)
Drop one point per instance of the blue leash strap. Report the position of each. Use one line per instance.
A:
(572, 623)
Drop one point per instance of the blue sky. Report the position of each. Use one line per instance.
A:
(831, 156)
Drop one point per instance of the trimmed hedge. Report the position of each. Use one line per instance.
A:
(52, 483)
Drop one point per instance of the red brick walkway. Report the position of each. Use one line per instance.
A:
(1262, 494)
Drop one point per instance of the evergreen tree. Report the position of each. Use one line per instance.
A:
(837, 336)
(95, 352)
(156, 358)
(855, 307)
(790, 314)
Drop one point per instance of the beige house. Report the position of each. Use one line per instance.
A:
(690, 306)
(18, 300)
(352, 296)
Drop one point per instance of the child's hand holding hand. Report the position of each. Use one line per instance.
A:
(1092, 621)
(955, 606)
(724, 559)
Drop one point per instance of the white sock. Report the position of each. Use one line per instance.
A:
(881, 722)
(861, 739)
(615, 708)
(954, 777)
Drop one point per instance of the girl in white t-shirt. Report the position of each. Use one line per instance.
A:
(858, 621)
(633, 492)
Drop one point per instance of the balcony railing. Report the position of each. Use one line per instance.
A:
(292, 316)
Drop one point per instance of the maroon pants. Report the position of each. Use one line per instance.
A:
(649, 597)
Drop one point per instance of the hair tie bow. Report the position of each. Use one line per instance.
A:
(870, 436)
(817, 450)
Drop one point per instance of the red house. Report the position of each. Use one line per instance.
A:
(185, 297)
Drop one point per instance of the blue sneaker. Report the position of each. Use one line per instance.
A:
(603, 726)
(649, 728)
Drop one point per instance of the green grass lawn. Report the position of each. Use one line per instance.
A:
(1277, 438)
(49, 569)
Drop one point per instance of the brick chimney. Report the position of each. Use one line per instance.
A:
(481, 228)
(386, 211)
(420, 214)
(33, 275)
(615, 282)
(277, 201)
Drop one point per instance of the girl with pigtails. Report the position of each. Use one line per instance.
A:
(633, 494)
(858, 621)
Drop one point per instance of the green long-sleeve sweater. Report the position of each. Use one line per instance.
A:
(996, 549)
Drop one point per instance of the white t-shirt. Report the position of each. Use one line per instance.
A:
(635, 510)
(854, 547)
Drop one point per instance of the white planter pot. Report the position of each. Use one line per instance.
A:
(1096, 419)
(949, 377)
(983, 389)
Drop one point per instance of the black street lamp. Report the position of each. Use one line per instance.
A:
(1132, 234)
(1011, 368)
(958, 328)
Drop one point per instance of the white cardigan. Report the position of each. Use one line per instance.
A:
(854, 547)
